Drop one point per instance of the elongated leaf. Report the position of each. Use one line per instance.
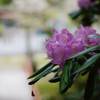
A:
(90, 84)
(86, 71)
(57, 76)
(41, 70)
(86, 51)
(65, 78)
(41, 75)
(88, 63)
(75, 66)
(75, 15)
(55, 70)
(55, 79)
(72, 67)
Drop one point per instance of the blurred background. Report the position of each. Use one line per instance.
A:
(24, 27)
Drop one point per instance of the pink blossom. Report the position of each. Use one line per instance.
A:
(63, 44)
(76, 45)
(88, 35)
(85, 3)
(57, 48)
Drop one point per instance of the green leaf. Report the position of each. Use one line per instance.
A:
(88, 63)
(55, 70)
(5, 2)
(90, 85)
(86, 71)
(41, 75)
(41, 70)
(57, 76)
(70, 67)
(86, 51)
(66, 73)
(55, 79)
(75, 14)
(65, 77)
(75, 66)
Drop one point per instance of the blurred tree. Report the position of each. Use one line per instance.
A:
(5, 2)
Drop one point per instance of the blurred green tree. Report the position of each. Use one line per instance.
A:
(5, 2)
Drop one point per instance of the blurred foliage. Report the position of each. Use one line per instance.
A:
(74, 93)
(50, 92)
(55, 2)
(5, 2)
(88, 16)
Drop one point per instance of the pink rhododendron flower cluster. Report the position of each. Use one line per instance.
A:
(63, 44)
(88, 35)
(85, 3)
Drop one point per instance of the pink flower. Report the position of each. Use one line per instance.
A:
(76, 45)
(85, 3)
(88, 36)
(57, 48)
(63, 44)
